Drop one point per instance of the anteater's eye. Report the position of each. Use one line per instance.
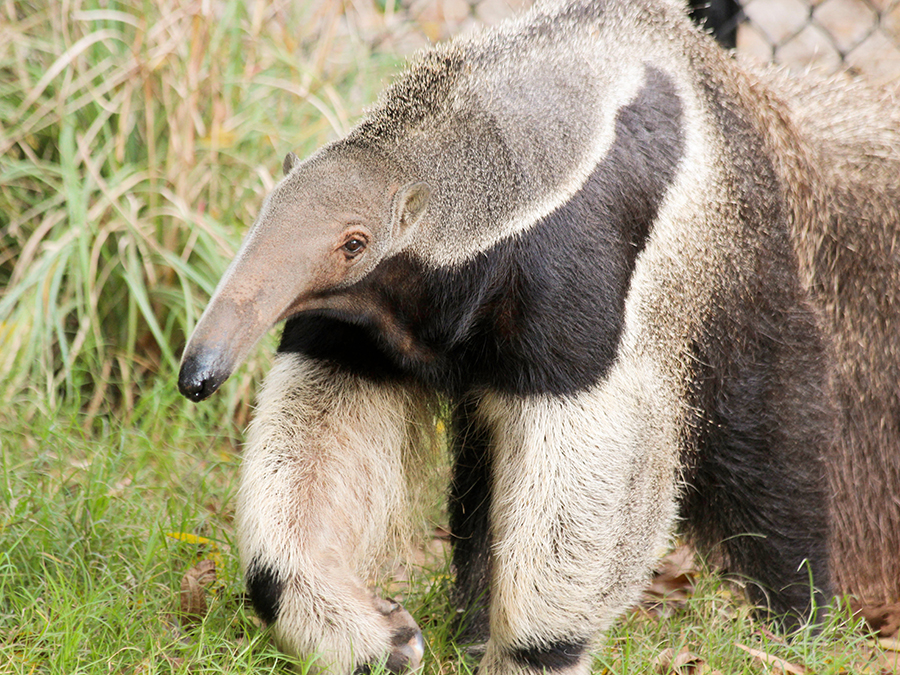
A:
(354, 246)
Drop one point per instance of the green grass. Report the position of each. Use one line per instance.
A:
(98, 527)
(136, 142)
(90, 566)
(717, 627)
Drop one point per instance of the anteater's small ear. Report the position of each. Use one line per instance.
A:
(290, 161)
(409, 205)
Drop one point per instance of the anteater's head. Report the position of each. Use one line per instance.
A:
(323, 228)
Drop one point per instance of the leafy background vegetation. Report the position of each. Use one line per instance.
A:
(136, 142)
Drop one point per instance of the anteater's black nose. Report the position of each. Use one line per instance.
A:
(199, 378)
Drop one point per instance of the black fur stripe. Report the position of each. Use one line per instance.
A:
(556, 656)
(265, 587)
(335, 339)
(538, 313)
(469, 507)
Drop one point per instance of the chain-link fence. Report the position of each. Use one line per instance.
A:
(862, 35)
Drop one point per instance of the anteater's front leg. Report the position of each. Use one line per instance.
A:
(322, 487)
(580, 511)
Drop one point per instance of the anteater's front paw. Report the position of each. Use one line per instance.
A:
(407, 644)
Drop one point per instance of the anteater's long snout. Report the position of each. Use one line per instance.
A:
(251, 298)
(226, 333)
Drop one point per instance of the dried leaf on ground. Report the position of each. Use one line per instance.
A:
(890, 644)
(684, 662)
(673, 582)
(883, 619)
(193, 593)
(776, 663)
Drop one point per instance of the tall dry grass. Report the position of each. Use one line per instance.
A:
(136, 142)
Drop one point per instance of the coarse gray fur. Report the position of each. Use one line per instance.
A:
(474, 144)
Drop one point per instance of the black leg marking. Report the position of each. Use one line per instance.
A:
(470, 498)
(756, 486)
(755, 473)
(556, 656)
(264, 587)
